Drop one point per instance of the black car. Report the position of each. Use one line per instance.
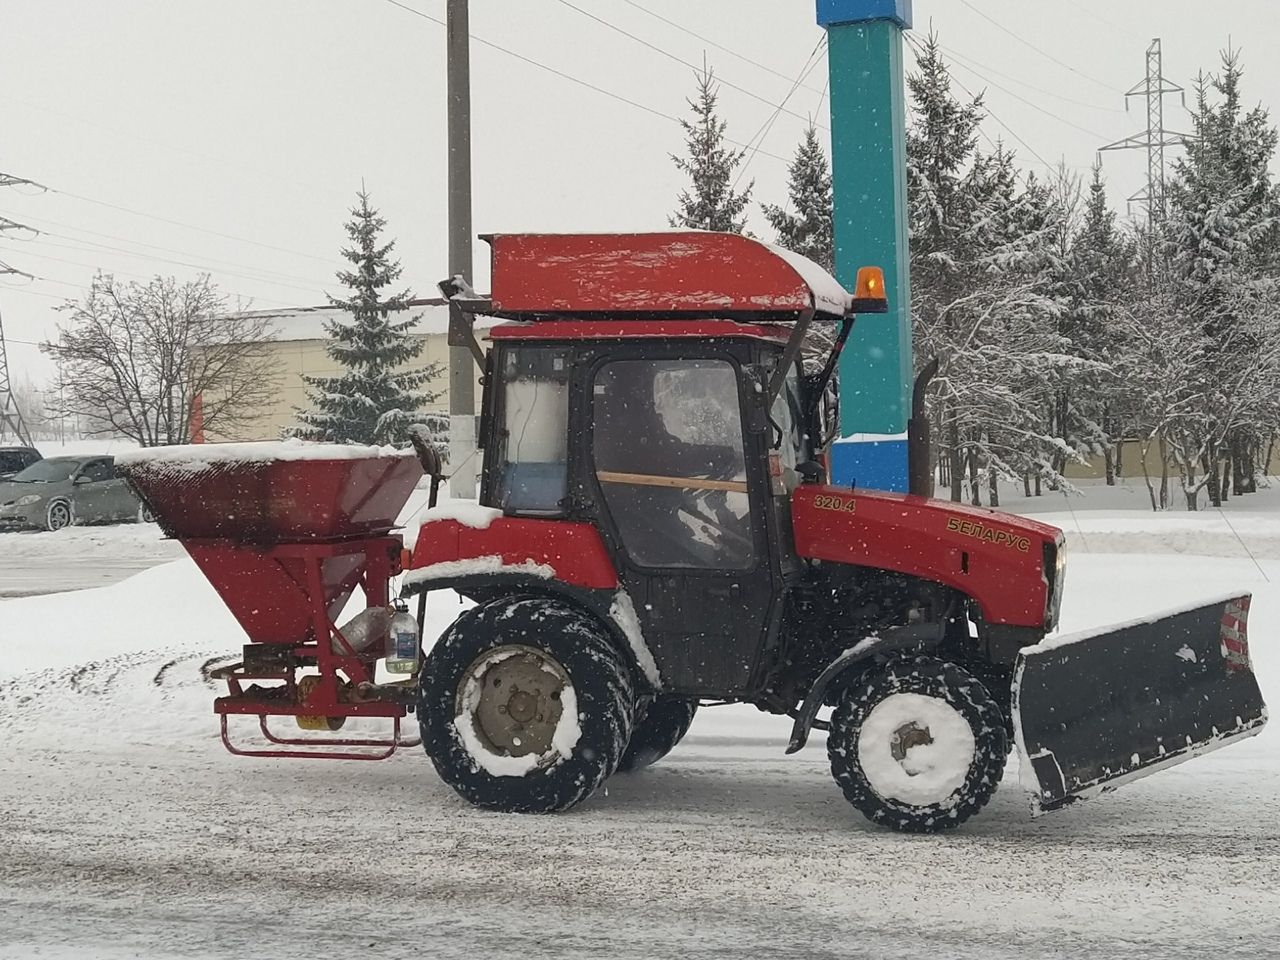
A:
(13, 459)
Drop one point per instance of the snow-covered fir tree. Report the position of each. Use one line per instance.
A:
(806, 226)
(711, 202)
(378, 396)
(981, 249)
(1095, 409)
(1220, 244)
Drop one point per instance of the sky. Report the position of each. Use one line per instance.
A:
(181, 137)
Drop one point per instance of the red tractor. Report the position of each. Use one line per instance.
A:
(655, 530)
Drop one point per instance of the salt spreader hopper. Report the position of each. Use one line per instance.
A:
(285, 533)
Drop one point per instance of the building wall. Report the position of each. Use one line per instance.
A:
(298, 351)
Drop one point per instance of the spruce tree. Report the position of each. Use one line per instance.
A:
(1220, 242)
(710, 202)
(375, 399)
(808, 230)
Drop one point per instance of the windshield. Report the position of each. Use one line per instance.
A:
(47, 471)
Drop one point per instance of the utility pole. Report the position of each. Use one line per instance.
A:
(10, 412)
(462, 374)
(1154, 88)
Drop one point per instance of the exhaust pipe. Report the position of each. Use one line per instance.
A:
(919, 474)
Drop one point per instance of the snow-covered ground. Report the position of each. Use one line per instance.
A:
(129, 832)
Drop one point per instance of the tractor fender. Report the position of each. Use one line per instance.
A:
(841, 669)
(611, 608)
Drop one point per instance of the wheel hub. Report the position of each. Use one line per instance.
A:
(519, 703)
(915, 749)
(909, 735)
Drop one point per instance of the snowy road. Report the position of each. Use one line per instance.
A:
(33, 563)
(128, 832)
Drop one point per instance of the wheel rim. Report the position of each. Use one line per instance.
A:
(916, 750)
(516, 703)
(59, 516)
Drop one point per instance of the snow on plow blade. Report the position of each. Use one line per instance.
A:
(1096, 710)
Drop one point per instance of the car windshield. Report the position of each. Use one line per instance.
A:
(47, 471)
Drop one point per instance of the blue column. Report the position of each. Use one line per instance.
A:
(869, 174)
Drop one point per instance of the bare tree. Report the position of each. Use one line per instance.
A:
(136, 360)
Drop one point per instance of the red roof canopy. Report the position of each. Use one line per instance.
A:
(689, 274)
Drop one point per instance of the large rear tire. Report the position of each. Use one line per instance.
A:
(918, 744)
(525, 706)
(663, 724)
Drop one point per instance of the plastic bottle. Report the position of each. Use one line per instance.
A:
(404, 652)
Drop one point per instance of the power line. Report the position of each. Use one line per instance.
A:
(188, 226)
(1101, 19)
(1032, 46)
(152, 258)
(719, 46)
(126, 273)
(692, 66)
(1032, 104)
(6, 180)
(154, 246)
(957, 55)
(767, 126)
(915, 45)
(569, 77)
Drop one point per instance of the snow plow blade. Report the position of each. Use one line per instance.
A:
(1096, 710)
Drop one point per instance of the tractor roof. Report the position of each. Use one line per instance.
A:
(677, 284)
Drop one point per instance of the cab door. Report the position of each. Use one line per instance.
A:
(683, 494)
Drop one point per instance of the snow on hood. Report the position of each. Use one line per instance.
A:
(466, 512)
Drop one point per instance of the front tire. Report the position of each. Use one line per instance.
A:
(58, 515)
(918, 745)
(525, 706)
(662, 725)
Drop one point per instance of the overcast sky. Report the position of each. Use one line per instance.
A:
(255, 120)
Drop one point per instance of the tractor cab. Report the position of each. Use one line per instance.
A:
(652, 387)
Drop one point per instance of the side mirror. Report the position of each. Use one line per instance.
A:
(81, 478)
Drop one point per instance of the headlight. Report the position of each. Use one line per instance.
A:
(1053, 602)
(28, 500)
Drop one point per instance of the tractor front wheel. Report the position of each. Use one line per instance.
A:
(525, 706)
(918, 744)
(663, 724)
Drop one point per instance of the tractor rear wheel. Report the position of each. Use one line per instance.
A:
(525, 706)
(659, 728)
(918, 744)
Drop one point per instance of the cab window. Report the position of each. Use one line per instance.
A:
(532, 468)
(668, 451)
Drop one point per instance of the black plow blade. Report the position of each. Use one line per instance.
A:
(1098, 709)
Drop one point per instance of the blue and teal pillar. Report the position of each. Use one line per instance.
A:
(869, 178)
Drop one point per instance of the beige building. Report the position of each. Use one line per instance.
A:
(297, 350)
